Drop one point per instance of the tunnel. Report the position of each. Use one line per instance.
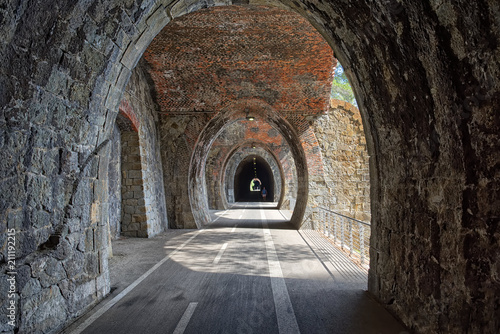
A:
(250, 168)
(425, 75)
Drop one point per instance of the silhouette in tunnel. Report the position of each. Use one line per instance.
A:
(250, 168)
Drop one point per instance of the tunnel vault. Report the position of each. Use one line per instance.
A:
(426, 79)
(197, 183)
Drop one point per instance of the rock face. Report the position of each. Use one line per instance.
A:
(426, 77)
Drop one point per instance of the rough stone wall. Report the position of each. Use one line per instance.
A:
(144, 165)
(426, 79)
(133, 217)
(115, 185)
(345, 159)
(176, 154)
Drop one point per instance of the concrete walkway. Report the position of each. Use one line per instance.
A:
(247, 272)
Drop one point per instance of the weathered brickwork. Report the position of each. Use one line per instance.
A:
(277, 77)
(236, 142)
(176, 153)
(208, 59)
(426, 79)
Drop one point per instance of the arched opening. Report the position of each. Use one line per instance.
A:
(253, 167)
(280, 162)
(428, 104)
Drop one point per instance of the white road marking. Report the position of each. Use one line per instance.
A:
(216, 219)
(181, 326)
(287, 323)
(217, 258)
(122, 294)
(234, 228)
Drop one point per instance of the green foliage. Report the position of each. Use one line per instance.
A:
(341, 89)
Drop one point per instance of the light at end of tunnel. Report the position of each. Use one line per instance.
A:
(250, 118)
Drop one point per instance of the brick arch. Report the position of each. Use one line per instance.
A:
(197, 185)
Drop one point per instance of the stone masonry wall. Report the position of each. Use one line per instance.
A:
(426, 79)
(345, 159)
(176, 154)
(144, 160)
(115, 185)
(134, 222)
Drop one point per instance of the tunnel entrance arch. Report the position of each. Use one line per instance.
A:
(415, 131)
(197, 185)
(252, 147)
(250, 168)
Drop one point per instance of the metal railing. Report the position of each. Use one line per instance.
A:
(352, 235)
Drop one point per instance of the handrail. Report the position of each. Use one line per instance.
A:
(349, 234)
(359, 221)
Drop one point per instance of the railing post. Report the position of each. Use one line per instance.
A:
(342, 232)
(329, 215)
(329, 225)
(336, 228)
(351, 244)
(362, 243)
(323, 221)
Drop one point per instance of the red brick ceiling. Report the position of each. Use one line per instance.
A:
(209, 59)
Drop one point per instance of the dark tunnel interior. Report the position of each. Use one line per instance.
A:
(252, 167)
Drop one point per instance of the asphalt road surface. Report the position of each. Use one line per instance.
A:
(247, 272)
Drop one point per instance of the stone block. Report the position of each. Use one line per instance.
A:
(126, 194)
(134, 174)
(74, 265)
(89, 239)
(32, 287)
(91, 264)
(136, 182)
(127, 218)
(81, 295)
(43, 312)
(129, 209)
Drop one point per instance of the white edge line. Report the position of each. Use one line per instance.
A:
(122, 294)
(213, 221)
(287, 322)
(219, 255)
(181, 326)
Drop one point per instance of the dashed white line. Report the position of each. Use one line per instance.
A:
(287, 323)
(219, 255)
(234, 228)
(122, 294)
(181, 326)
